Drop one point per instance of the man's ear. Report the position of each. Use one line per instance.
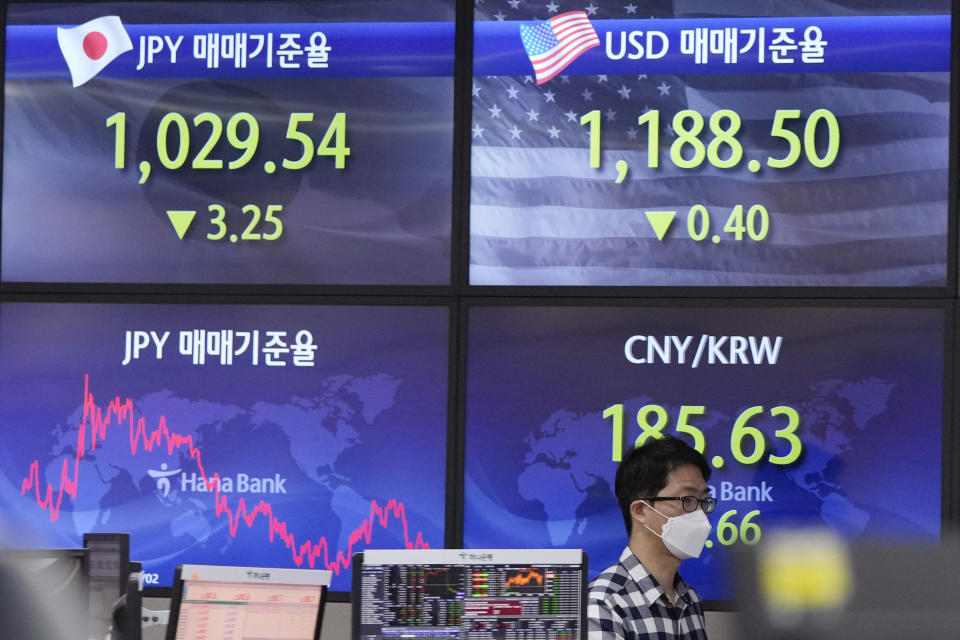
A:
(638, 511)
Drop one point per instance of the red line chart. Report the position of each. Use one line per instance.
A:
(97, 419)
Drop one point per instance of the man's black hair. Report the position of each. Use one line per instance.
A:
(643, 472)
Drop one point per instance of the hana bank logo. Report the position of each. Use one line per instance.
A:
(193, 482)
(163, 479)
(553, 44)
(91, 46)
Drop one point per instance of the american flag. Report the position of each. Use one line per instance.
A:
(553, 44)
(540, 215)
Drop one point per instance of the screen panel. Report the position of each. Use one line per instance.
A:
(693, 144)
(247, 603)
(469, 593)
(229, 142)
(109, 573)
(828, 416)
(316, 459)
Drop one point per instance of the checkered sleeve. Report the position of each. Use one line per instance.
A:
(626, 603)
(605, 620)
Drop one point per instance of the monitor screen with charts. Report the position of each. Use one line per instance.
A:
(469, 593)
(246, 603)
(109, 560)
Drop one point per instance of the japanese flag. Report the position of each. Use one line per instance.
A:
(91, 46)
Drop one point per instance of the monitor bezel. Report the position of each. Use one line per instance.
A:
(464, 557)
(179, 584)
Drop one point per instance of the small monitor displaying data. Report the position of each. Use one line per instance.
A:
(109, 556)
(469, 593)
(126, 622)
(247, 603)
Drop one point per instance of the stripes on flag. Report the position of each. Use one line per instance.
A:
(553, 44)
(541, 216)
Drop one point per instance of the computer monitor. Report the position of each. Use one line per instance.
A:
(470, 593)
(246, 603)
(50, 581)
(127, 623)
(108, 570)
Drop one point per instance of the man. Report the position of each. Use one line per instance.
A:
(662, 491)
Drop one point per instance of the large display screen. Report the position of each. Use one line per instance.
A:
(705, 143)
(815, 416)
(274, 436)
(228, 142)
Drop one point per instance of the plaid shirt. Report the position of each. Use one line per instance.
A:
(627, 603)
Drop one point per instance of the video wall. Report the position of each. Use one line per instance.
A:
(283, 281)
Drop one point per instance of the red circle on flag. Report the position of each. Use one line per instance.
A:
(94, 45)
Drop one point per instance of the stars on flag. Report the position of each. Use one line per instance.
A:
(515, 111)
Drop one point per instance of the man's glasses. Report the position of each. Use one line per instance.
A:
(690, 503)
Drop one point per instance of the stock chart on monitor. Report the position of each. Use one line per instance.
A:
(277, 436)
(469, 593)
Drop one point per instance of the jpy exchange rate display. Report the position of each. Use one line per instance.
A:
(228, 142)
(275, 436)
(709, 144)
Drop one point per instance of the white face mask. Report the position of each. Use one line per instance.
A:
(685, 535)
